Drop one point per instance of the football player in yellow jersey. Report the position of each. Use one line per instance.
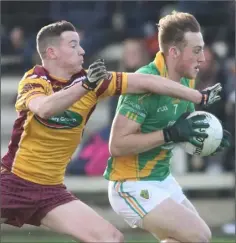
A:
(54, 103)
(145, 128)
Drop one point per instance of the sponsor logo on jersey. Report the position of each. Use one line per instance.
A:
(162, 108)
(65, 120)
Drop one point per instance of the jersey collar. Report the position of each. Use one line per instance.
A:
(160, 64)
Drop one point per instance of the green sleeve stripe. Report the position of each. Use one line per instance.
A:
(130, 115)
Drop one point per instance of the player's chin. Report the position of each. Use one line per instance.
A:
(78, 68)
(191, 75)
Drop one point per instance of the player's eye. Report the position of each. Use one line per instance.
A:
(197, 51)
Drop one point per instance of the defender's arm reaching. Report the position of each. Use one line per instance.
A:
(140, 83)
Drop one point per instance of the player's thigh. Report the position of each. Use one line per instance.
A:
(189, 205)
(170, 219)
(80, 221)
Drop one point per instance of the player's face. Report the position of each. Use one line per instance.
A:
(191, 56)
(70, 55)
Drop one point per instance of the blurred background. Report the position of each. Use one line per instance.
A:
(124, 33)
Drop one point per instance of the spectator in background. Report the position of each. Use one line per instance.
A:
(229, 155)
(91, 157)
(134, 55)
(210, 73)
(13, 41)
(93, 20)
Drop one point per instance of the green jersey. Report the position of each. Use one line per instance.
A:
(153, 112)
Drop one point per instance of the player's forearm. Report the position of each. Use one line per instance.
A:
(135, 143)
(59, 101)
(164, 86)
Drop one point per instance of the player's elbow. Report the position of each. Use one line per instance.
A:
(44, 114)
(117, 149)
(39, 107)
(114, 149)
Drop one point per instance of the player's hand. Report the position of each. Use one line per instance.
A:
(96, 72)
(184, 130)
(210, 95)
(225, 142)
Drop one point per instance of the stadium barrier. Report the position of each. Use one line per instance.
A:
(190, 181)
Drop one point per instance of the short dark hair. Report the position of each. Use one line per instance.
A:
(172, 28)
(49, 33)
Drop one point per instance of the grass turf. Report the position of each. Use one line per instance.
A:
(28, 237)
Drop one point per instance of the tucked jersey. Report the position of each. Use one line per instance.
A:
(40, 149)
(153, 112)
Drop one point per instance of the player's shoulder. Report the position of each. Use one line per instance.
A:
(36, 74)
(148, 69)
(139, 99)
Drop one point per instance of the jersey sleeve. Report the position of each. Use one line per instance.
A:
(29, 89)
(131, 107)
(115, 85)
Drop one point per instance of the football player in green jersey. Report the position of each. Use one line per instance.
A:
(145, 128)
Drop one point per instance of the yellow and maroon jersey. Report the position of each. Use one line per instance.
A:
(40, 149)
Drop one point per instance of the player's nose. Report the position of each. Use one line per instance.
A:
(81, 51)
(202, 57)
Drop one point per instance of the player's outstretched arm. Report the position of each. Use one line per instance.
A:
(139, 83)
(47, 106)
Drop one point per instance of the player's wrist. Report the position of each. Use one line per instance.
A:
(167, 135)
(200, 97)
(86, 84)
(204, 98)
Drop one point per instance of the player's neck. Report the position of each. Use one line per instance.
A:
(172, 74)
(56, 71)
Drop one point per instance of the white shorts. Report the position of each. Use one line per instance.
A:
(132, 200)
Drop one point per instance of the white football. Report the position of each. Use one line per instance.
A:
(209, 144)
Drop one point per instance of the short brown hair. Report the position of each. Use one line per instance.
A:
(48, 34)
(172, 27)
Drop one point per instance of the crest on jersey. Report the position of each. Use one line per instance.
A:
(144, 194)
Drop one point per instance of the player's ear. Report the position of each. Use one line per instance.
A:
(174, 51)
(51, 52)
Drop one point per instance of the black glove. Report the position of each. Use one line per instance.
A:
(225, 142)
(96, 73)
(210, 95)
(183, 130)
